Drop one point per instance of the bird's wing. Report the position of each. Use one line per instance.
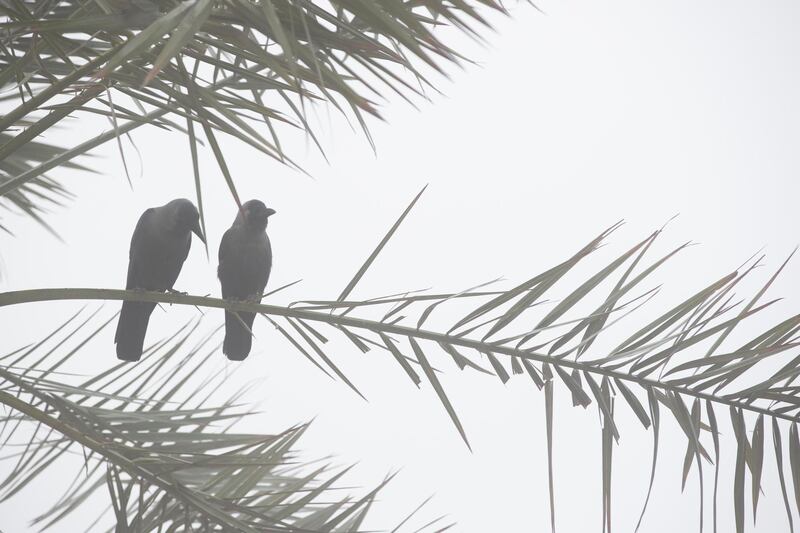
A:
(135, 255)
(224, 251)
(174, 268)
(267, 263)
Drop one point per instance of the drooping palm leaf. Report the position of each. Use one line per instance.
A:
(34, 196)
(160, 442)
(231, 66)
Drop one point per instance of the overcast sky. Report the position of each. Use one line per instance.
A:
(573, 119)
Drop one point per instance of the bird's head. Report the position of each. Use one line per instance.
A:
(255, 214)
(187, 218)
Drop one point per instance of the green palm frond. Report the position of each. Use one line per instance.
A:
(34, 197)
(231, 67)
(681, 363)
(160, 443)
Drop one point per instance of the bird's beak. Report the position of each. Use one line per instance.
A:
(270, 212)
(199, 232)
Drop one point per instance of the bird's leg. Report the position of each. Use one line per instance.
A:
(173, 291)
(254, 298)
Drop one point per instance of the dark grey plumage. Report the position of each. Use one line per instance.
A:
(245, 260)
(159, 246)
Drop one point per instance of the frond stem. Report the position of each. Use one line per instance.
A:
(46, 295)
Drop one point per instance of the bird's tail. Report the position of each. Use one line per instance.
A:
(238, 338)
(131, 329)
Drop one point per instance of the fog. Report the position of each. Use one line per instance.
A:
(572, 119)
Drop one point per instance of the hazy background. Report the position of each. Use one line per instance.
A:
(574, 119)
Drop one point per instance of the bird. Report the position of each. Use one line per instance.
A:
(159, 246)
(245, 261)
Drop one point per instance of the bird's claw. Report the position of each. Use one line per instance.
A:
(173, 291)
(251, 299)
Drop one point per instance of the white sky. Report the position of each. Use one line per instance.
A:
(574, 119)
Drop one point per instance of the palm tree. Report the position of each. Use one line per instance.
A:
(223, 67)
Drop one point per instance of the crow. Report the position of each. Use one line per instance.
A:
(159, 246)
(245, 260)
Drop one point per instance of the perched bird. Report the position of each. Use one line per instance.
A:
(245, 259)
(159, 246)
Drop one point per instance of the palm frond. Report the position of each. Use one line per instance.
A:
(160, 443)
(681, 359)
(34, 197)
(676, 360)
(228, 67)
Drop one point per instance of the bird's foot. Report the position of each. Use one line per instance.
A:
(254, 298)
(173, 291)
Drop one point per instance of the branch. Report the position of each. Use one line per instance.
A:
(339, 320)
